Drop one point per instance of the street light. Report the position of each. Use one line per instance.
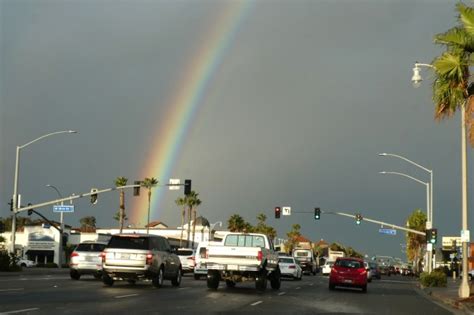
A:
(60, 256)
(427, 185)
(464, 289)
(15, 184)
(211, 227)
(429, 222)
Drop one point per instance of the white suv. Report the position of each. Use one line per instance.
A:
(186, 255)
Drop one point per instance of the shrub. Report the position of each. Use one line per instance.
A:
(435, 279)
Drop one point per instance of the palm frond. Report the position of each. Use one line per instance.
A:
(466, 16)
(458, 37)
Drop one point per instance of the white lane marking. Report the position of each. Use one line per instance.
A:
(282, 293)
(311, 284)
(184, 288)
(125, 296)
(8, 290)
(297, 288)
(256, 303)
(22, 311)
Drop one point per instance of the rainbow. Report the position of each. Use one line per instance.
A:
(185, 104)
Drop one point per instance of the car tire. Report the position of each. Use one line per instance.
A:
(213, 279)
(107, 280)
(176, 281)
(74, 275)
(97, 275)
(261, 280)
(230, 283)
(275, 279)
(331, 286)
(197, 277)
(132, 281)
(157, 281)
(364, 288)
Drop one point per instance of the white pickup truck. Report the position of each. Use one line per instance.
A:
(242, 257)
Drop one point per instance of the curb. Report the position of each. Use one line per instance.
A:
(455, 303)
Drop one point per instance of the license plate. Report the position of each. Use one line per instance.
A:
(90, 259)
(347, 281)
(232, 267)
(123, 256)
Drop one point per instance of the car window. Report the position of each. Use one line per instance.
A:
(348, 263)
(244, 240)
(302, 254)
(184, 252)
(287, 260)
(90, 247)
(130, 242)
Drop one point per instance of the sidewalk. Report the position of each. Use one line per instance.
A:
(449, 295)
(35, 271)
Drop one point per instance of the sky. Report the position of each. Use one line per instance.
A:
(261, 103)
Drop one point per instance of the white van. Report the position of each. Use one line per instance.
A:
(200, 271)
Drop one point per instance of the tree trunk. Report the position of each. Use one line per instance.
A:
(148, 221)
(194, 225)
(122, 209)
(183, 213)
(189, 228)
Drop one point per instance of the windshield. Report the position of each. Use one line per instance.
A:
(90, 247)
(129, 242)
(287, 260)
(184, 252)
(346, 263)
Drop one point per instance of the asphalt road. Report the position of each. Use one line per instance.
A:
(58, 294)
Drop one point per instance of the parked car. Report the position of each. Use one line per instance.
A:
(26, 263)
(375, 271)
(187, 257)
(289, 268)
(306, 260)
(326, 270)
(348, 272)
(86, 259)
(369, 272)
(133, 257)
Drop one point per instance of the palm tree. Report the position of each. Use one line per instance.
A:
(182, 201)
(193, 202)
(149, 183)
(119, 182)
(415, 242)
(235, 223)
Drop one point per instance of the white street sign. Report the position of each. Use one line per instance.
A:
(465, 236)
(174, 182)
(429, 247)
(286, 211)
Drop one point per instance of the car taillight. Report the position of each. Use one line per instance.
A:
(102, 255)
(260, 255)
(192, 261)
(292, 266)
(74, 254)
(149, 258)
(362, 271)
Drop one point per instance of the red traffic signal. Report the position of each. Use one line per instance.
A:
(277, 212)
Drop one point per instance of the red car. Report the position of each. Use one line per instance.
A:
(348, 272)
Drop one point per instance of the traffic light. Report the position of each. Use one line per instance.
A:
(317, 213)
(93, 196)
(277, 212)
(433, 236)
(358, 218)
(187, 187)
(30, 211)
(136, 190)
(11, 204)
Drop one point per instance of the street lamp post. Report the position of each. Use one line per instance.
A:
(427, 185)
(60, 256)
(211, 227)
(15, 184)
(464, 289)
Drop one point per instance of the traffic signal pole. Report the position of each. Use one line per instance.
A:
(376, 222)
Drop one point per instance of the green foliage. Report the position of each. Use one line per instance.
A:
(435, 279)
(293, 236)
(263, 228)
(237, 224)
(337, 247)
(8, 262)
(88, 222)
(415, 242)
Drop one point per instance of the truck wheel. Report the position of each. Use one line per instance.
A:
(261, 281)
(197, 277)
(107, 280)
(275, 280)
(213, 278)
(230, 283)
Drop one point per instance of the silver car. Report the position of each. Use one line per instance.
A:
(289, 268)
(86, 259)
(133, 257)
